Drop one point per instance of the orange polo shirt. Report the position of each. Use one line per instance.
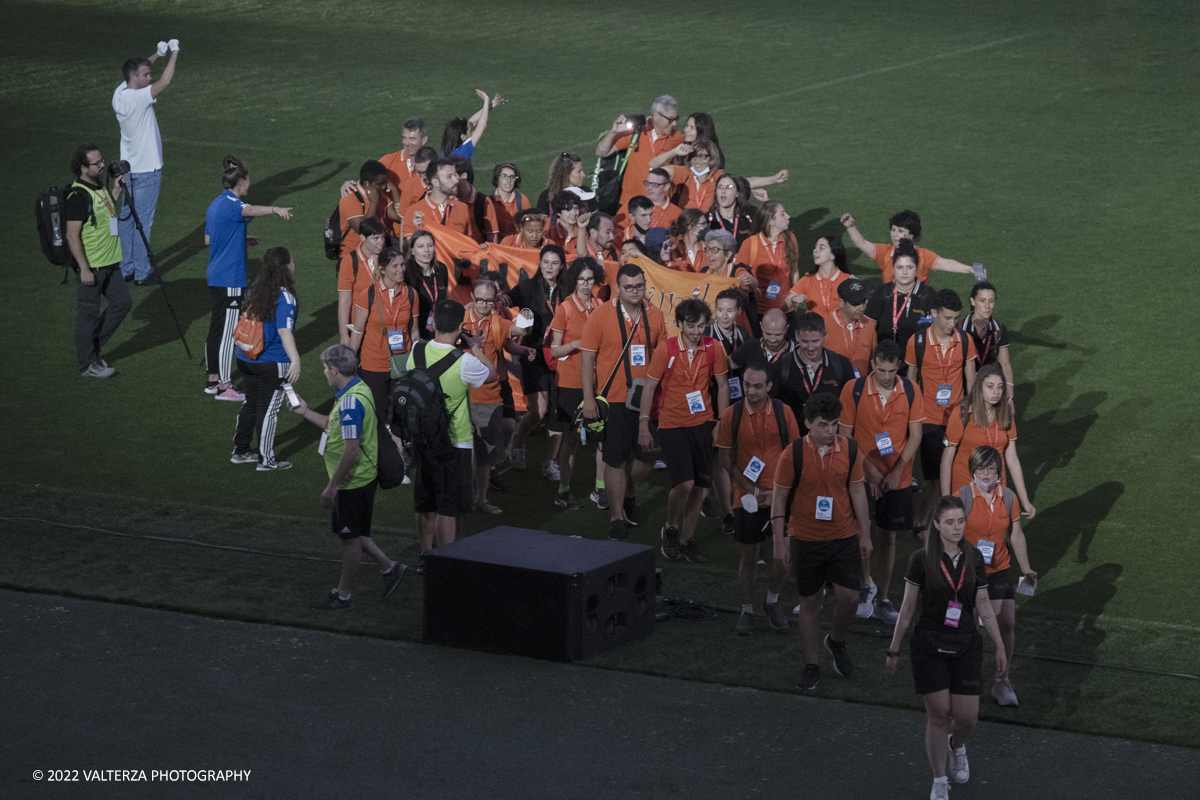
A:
(637, 168)
(567, 240)
(569, 319)
(661, 217)
(602, 336)
(684, 261)
(820, 293)
(856, 342)
(940, 368)
(506, 212)
(768, 263)
(348, 281)
(693, 192)
(491, 222)
(873, 416)
(352, 205)
(496, 329)
(391, 311)
(992, 522)
(970, 436)
(411, 191)
(689, 373)
(454, 215)
(824, 476)
(925, 259)
(758, 437)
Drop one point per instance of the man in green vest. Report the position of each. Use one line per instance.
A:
(350, 445)
(91, 214)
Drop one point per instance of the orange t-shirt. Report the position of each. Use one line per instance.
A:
(992, 523)
(411, 191)
(491, 222)
(637, 168)
(602, 336)
(348, 280)
(856, 342)
(496, 329)
(454, 215)
(686, 377)
(569, 319)
(693, 192)
(873, 416)
(768, 263)
(925, 259)
(940, 368)
(661, 217)
(758, 437)
(506, 213)
(820, 293)
(824, 476)
(970, 436)
(351, 206)
(567, 240)
(390, 310)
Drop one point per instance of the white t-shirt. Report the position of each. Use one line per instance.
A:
(141, 143)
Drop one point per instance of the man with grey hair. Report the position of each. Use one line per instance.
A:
(350, 445)
(655, 138)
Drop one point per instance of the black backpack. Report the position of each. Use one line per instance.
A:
(50, 210)
(861, 383)
(610, 172)
(390, 469)
(333, 230)
(418, 405)
(777, 408)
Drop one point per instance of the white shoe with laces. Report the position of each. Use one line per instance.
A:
(956, 761)
(940, 790)
(1002, 690)
(866, 601)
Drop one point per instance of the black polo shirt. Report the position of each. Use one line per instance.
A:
(795, 382)
(752, 350)
(987, 344)
(914, 310)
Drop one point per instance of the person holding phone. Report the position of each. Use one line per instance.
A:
(655, 138)
(949, 580)
(272, 301)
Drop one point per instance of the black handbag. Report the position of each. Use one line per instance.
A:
(944, 644)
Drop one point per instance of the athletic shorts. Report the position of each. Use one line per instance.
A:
(535, 376)
(933, 442)
(352, 510)
(507, 401)
(621, 435)
(933, 673)
(1000, 585)
(893, 511)
(568, 404)
(443, 483)
(751, 528)
(816, 563)
(688, 454)
(486, 425)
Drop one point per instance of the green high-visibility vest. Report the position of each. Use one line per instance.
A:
(101, 247)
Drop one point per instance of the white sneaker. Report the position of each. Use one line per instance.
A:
(956, 762)
(97, 370)
(550, 471)
(273, 466)
(1002, 690)
(517, 456)
(940, 790)
(866, 601)
(660, 464)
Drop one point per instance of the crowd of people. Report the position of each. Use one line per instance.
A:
(790, 411)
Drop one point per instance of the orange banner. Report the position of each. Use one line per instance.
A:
(667, 287)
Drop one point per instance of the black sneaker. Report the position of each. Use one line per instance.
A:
(727, 525)
(496, 482)
(617, 530)
(567, 501)
(706, 507)
(809, 678)
(392, 579)
(330, 601)
(670, 543)
(775, 615)
(150, 280)
(691, 551)
(631, 511)
(841, 659)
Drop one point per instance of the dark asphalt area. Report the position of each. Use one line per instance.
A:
(89, 685)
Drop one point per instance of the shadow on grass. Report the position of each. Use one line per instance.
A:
(1031, 333)
(1049, 441)
(188, 296)
(319, 330)
(298, 437)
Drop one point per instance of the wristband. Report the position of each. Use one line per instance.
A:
(890, 654)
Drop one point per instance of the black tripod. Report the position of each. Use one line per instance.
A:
(162, 286)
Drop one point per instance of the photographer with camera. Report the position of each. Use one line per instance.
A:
(141, 146)
(93, 238)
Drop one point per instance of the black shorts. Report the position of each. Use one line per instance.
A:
(934, 673)
(443, 483)
(933, 442)
(893, 511)
(814, 563)
(621, 437)
(507, 401)
(1000, 586)
(688, 453)
(352, 510)
(568, 404)
(751, 528)
(535, 375)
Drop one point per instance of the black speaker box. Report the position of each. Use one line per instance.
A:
(535, 594)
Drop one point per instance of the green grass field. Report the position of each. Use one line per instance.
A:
(1055, 142)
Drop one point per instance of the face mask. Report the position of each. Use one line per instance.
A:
(990, 486)
(700, 173)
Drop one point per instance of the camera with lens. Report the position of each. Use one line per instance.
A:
(118, 168)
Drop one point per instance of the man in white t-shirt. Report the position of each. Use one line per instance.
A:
(141, 146)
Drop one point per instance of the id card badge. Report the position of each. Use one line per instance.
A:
(953, 613)
(856, 375)
(824, 508)
(321, 445)
(637, 355)
(987, 549)
(429, 322)
(773, 290)
(395, 340)
(754, 469)
(883, 442)
(735, 388)
(112, 227)
(695, 401)
(943, 394)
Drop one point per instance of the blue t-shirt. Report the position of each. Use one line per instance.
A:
(285, 317)
(466, 150)
(226, 230)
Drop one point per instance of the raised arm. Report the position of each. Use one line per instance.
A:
(605, 147)
(684, 149)
(950, 265)
(477, 124)
(778, 177)
(868, 248)
(168, 73)
(263, 211)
